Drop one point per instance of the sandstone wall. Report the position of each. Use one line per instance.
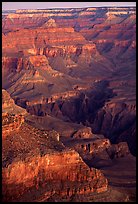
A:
(64, 173)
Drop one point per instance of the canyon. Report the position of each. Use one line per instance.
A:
(69, 105)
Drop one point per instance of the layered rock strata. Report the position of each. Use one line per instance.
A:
(61, 173)
(36, 161)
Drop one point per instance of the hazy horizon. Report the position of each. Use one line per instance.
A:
(50, 5)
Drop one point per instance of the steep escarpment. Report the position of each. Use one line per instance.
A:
(12, 115)
(80, 16)
(45, 165)
(68, 47)
(50, 176)
(115, 121)
(77, 108)
(40, 37)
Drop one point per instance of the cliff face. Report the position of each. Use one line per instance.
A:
(45, 165)
(115, 121)
(61, 173)
(8, 105)
(12, 115)
(39, 38)
(93, 45)
(119, 119)
(36, 18)
(11, 123)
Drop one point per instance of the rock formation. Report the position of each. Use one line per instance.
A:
(119, 119)
(12, 115)
(43, 163)
(50, 23)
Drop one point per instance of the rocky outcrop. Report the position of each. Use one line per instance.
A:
(118, 150)
(11, 123)
(118, 120)
(35, 160)
(12, 115)
(98, 151)
(51, 23)
(93, 147)
(65, 171)
(16, 64)
(83, 133)
(8, 105)
(45, 167)
(38, 60)
(39, 38)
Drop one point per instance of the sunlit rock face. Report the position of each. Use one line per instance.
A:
(12, 115)
(95, 45)
(42, 160)
(61, 173)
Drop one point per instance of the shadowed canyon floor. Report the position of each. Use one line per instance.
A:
(69, 105)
